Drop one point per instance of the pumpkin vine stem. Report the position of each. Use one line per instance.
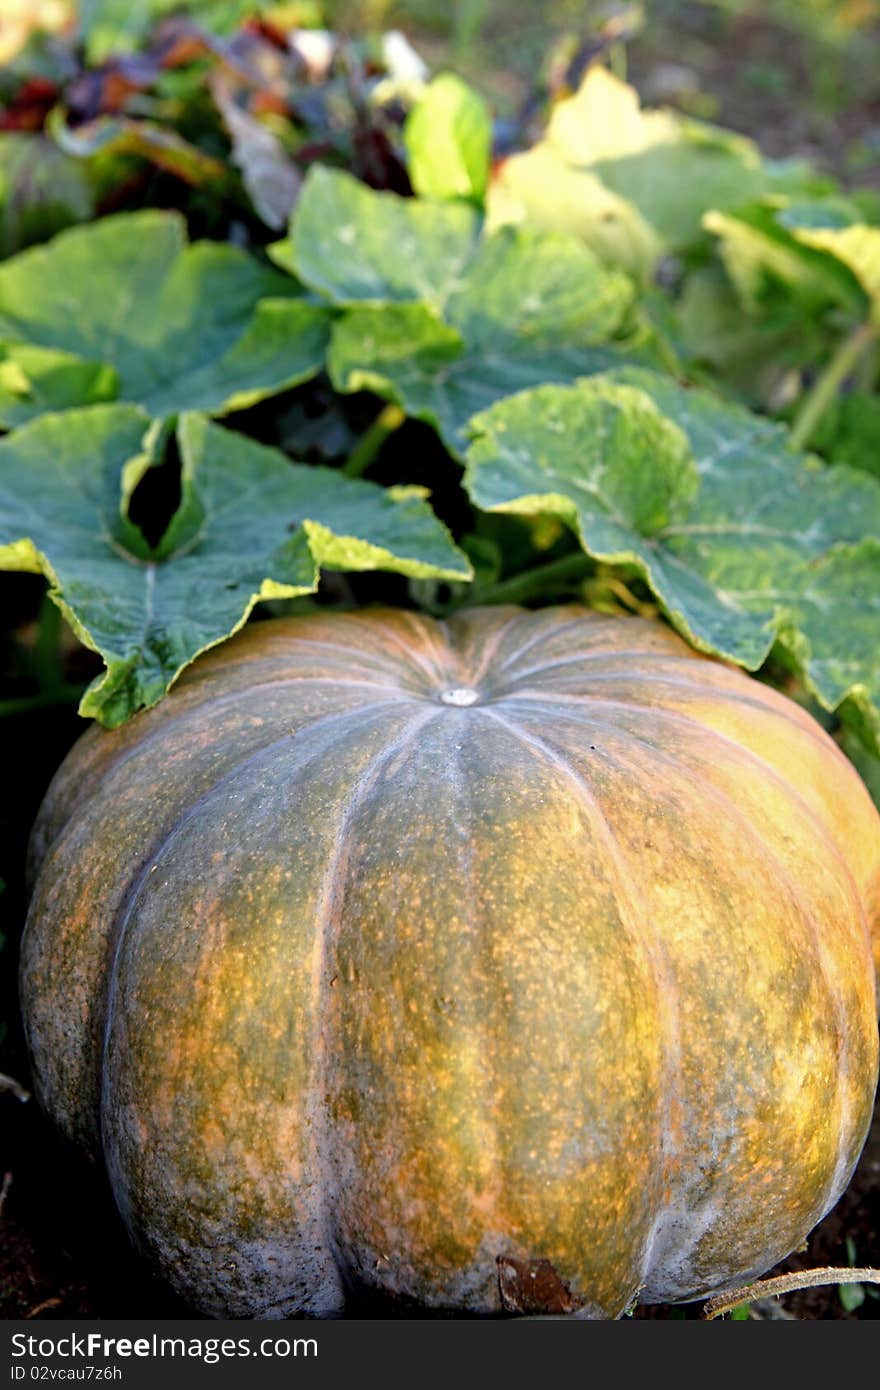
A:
(788, 1283)
(368, 446)
(66, 694)
(824, 392)
(543, 579)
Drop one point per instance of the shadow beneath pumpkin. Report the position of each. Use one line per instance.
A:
(64, 1252)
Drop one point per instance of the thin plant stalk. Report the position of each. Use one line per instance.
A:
(787, 1283)
(555, 574)
(827, 385)
(368, 446)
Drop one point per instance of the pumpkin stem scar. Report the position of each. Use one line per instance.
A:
(460, 696)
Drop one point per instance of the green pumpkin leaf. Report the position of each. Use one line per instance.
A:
(749, 545)
(251, 525)
(753, 353)
(634, 183)
(766, 257)
(200, 326)
(34, 380)
(356, 246)
(524, 307)
(599, 455)
(828, 228)
(539, 188)
(411, 358)
(441, 321)
(448, 138)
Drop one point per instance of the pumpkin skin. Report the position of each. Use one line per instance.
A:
(566, 992)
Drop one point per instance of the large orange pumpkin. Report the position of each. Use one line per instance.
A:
(516, 962)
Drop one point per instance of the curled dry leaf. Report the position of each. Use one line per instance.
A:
(270, 177)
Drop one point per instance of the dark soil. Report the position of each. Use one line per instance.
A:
(797, 96)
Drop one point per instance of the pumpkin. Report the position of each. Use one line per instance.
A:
(519, 962)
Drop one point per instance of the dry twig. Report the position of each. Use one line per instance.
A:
(9, 1083)
(787, 1283)
(43, 1307)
